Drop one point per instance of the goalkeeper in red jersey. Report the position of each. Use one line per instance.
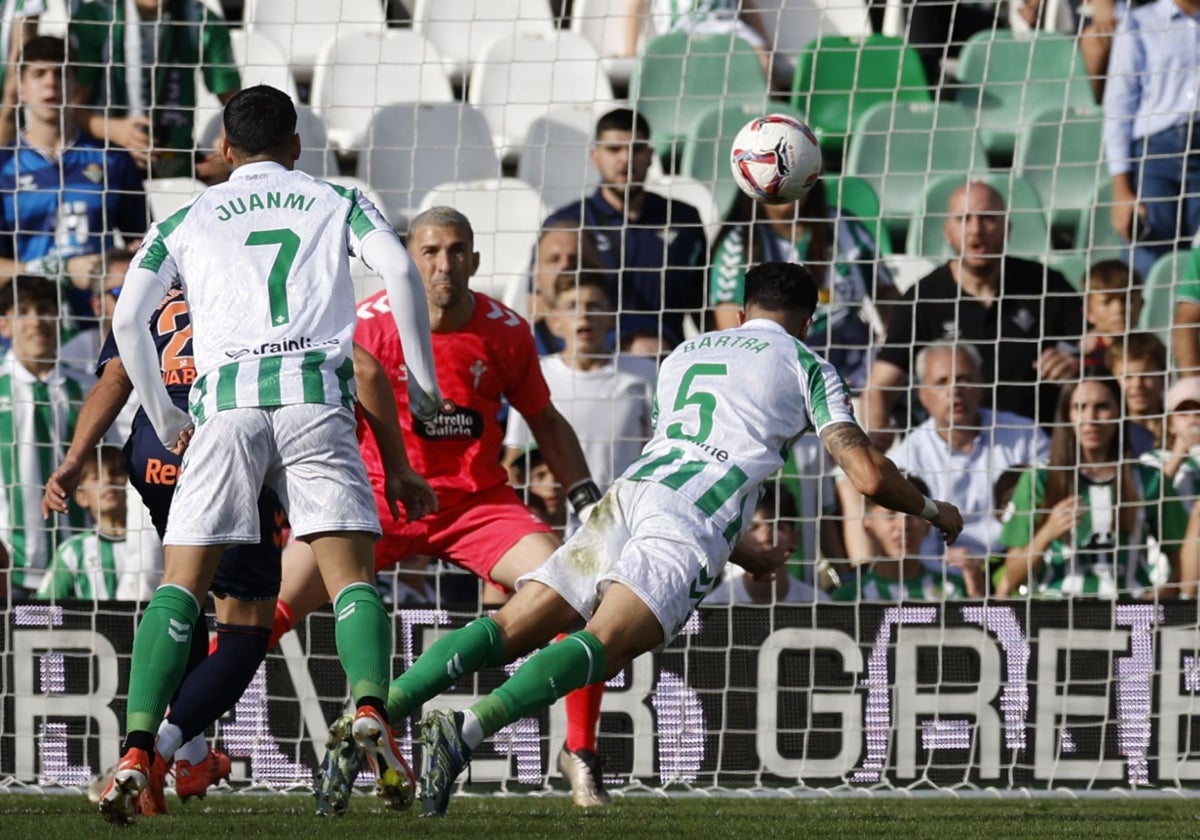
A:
(483, 353)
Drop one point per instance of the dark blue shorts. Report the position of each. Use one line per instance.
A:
(246, 572)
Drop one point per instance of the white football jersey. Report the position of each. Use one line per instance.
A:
(729, 406)
(264, 262)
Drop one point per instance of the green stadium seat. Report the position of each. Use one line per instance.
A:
(1158, 294)
(899, 149)
(1008, 78)
(838, 78)
(678, 77)
(1094, 236)
(1028, 235)
(1071, 264)
(1062, 155)
(856, 197)
(705, 154)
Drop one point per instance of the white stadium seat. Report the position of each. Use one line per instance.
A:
(461, 28)
(301, 27)
(603, 23)
(166, 195)
(259, 60)
(555, 158)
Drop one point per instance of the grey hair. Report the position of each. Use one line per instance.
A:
(442, 217)
(968, 350)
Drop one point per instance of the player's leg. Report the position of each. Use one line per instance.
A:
(301, 589)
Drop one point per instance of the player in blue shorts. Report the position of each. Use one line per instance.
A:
(247, 579)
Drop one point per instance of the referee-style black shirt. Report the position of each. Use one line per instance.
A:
(1036, 309)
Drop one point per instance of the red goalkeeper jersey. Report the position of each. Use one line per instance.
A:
(492, 357)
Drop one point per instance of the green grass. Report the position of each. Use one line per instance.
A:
(630, 818)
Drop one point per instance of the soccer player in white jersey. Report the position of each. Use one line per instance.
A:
(730, 403)
(264, 264)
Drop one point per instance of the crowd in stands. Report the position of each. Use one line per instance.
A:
(1036, 400)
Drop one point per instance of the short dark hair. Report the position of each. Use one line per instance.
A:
(46, 49)
(623, 119)
(259, 120)
(781, 287)
(573, 281)
(107, 455)
(1111, 276)
(29, 291)
(1144, 346)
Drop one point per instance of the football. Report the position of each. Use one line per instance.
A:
(775, 159)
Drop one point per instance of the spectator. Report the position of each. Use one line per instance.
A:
(837, 248)
(18, 26)
(962, 449)
(1179, 458)
(1150, 141)
(648, 343)
(83, 348)
(96, 565)
(1024, 318)
(937, 29)
(1079, 525)
(534, 481)
(772, 526)
(1185, 332)
(561, 246)
(41, 414)
(899, 574)
(1138, 361)
(607, 401)
(62, 195)
(141, 80)
(1112, 306)
(653, 248)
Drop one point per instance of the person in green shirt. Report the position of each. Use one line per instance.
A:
(1079, 525)
(141, 79)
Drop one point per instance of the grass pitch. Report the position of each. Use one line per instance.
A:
(630, 818)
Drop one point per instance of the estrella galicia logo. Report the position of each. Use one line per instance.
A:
(275, 348)
(453, 422)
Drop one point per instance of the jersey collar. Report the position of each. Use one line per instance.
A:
(766, 324)
(259, 167)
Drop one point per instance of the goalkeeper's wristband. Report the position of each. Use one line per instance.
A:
(930, 510)
(583, 493)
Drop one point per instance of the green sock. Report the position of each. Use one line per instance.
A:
(553, 672)
(160, 655)
(363, 635)
(454, 655)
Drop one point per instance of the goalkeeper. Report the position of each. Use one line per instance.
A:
(659, 539)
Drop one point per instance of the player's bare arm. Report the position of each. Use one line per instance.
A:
(98, 412)
(560, 447)
(875, 476)
(402, 484)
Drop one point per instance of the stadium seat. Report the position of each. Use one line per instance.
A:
(1028, 234)
(838, 79)
(1071, 264)
(460, 29)
(1062, 156)
(166, 195)
(898, 149)
(1158, 294)
(1007, 79)
(1094, 236)
(693, 192)
(555, 157)
(678, 78)
(316, 157)
(603, 23)
(412, 148)
(793, 24)
(706, 149)
(855, 197)
(301, 27)
(516, 80)
(259, 60)
(506, 215)
(366, 281)
(357, 72)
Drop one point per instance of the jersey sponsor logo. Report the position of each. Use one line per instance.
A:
(272, 348)
(511, 319)
(160, 472)
(26, 182)
(453, 423)
(179, 376)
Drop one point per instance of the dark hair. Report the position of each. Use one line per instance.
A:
(1111, 276)
(29, 291)
(628, 337)
(777, 502)
(571, 281)
(259, 120)
(45, 49)
(104, 456)
(623, 119)
(1002, 490)
(781, 287)
(1139, 345)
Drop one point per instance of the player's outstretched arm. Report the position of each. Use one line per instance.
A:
(140, 296)
(402, 484)
(876, 477)
(98, 412)
(410, 308)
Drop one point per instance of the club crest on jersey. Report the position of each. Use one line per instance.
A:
(454, 422)
(477, 370)
(94, 173)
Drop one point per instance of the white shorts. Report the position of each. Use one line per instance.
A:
(650, 539)
(308, 454)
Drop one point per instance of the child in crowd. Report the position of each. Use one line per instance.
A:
(1112, 306)
(96, 565)
(1138, 361)
(1179, 456)
(531, 476)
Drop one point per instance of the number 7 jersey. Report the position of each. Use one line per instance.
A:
(728, 407)
(264, 263)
